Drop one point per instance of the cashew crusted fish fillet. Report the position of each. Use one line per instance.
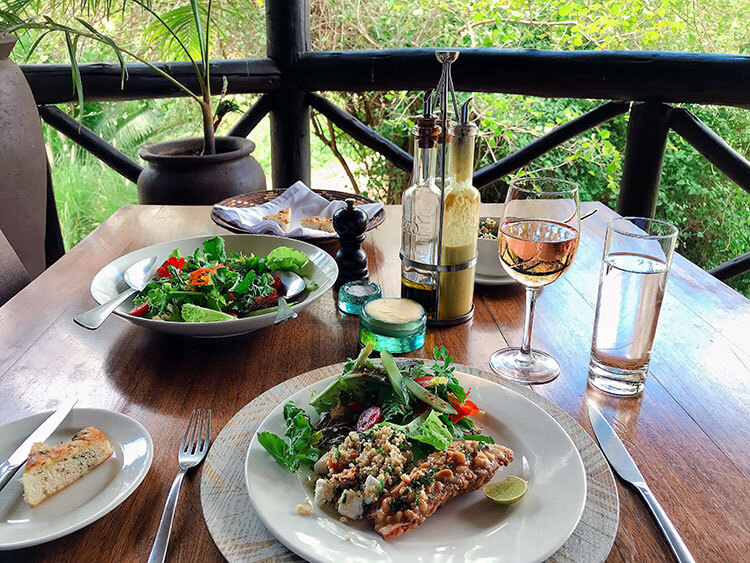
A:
(464, 466)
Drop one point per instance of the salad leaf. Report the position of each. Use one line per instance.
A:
(276, 447)
(426, 428)
(479, 438)
(286, 259)
(363, 355)
(392, 408)
(215, 250)
(243, 287)
(394, 374)
(431, 431)
(430, 398)
(352, 384)
(299, 435)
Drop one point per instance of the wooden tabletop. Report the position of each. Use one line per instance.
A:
(688, 432)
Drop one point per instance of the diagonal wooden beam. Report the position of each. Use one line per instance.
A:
(732, 268)
(90, 141)
(549, 141)
(252, 116)
(361, 132)
(710, 145)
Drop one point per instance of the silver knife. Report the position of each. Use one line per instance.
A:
(620, 460)
(9, 467)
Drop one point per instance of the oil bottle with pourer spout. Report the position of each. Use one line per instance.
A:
(421, 216)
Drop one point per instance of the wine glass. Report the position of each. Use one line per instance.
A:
(536, 243)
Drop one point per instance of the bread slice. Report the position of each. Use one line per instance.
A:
(318, 223)
(281, 219)
(51, 469)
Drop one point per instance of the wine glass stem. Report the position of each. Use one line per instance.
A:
(531, 293)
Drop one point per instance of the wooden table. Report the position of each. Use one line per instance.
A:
(689, 431)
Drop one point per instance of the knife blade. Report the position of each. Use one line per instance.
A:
(619, 458)
(614, 449)
(18, 457)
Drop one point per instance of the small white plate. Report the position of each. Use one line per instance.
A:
(493, 280)
(86, 500)
(468, 528)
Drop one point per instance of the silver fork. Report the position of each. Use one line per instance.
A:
(193, 450)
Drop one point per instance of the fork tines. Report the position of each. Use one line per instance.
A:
(198, 433)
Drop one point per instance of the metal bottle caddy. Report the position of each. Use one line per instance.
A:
(441, 92)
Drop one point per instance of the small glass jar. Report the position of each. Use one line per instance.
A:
(394, 324)
(355, 294)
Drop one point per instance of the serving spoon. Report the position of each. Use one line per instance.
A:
(294, 285)
(137, 277)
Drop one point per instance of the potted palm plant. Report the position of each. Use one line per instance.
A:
(185, 171)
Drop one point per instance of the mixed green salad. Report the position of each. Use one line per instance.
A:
(426, 403)
(213, 285)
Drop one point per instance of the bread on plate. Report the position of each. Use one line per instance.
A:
(49, 469)
(281, 219)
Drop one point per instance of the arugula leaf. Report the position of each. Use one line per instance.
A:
(460, 429)
(276, 447)
(392, 408)
(215, 250)
(479, 438)
(299, 432)
(242, 287)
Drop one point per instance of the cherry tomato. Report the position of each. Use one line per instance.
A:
(424, 380)
(140, 310)
(356, 406)
(232, 313)
(369, 418)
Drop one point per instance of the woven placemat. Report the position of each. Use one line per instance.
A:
(241, 536)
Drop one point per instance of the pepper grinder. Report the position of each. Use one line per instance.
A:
(350, 224)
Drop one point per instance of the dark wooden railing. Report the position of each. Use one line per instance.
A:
(645, 83)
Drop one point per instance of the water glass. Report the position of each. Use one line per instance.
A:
(637, 258)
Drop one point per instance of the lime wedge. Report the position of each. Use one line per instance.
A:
(509, 490)
(195, 314)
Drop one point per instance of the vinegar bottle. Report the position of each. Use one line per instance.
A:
(460, 224)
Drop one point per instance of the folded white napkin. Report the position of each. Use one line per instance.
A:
(301, 200)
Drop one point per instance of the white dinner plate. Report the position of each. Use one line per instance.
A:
(88, 499)
(493, 280)
(109, 283)
(468, 528)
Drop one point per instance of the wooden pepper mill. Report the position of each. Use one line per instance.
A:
(350, 224)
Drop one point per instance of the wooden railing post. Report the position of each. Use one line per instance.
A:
(644, 153)
(288, 37)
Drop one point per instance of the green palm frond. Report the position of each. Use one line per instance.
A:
(72, 44)
(12, 12)
(180, 21)
(137, 130)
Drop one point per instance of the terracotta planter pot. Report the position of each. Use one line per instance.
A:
(177, 174)
(23, 165)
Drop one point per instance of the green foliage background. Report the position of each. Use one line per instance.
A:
(712, 213)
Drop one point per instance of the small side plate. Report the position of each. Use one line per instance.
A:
(86, 500)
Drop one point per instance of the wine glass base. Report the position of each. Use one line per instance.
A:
(511, 364)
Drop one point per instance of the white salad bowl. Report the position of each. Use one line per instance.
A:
(488, 264)
(109, 282)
